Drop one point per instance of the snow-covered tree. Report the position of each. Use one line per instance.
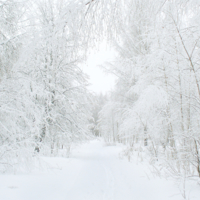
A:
(157, 86)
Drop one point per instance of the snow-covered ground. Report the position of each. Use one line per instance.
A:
(94, 172)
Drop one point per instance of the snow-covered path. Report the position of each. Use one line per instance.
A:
(95, 172)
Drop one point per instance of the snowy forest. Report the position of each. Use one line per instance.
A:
(154, 109)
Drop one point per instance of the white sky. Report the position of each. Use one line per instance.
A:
(100, 81)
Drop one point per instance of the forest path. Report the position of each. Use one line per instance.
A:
(103, 176)
(94, 172)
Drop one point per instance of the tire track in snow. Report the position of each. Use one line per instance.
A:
(109, 193)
